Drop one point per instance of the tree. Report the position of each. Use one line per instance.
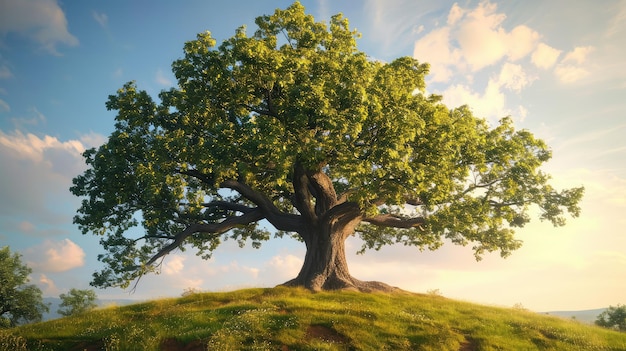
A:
(295, 126)
(19, 302)
(613, 318)
(77, 301)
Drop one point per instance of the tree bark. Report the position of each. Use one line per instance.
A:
(325, 266)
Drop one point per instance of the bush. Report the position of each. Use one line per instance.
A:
(77, 301)
(613, 318)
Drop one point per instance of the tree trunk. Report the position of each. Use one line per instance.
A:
(325, 266)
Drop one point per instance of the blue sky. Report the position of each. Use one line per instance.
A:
(558, 68)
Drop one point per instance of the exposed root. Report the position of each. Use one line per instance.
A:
(349, 285)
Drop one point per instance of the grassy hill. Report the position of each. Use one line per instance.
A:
(296, 319)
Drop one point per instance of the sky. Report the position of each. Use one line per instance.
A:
(558, 68)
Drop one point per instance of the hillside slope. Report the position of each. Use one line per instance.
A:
(296, 319)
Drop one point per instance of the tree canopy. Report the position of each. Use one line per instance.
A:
(20, 302)
(295, 126)
(613, 317)
(77, 301)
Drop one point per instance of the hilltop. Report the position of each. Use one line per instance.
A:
(296, 319)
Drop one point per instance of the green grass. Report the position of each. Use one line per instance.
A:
(296, 319)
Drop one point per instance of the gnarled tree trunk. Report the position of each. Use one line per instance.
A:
(325, 266)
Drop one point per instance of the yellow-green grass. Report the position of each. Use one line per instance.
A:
(296, 319)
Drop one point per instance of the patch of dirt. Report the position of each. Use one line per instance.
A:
(468, 345)
(316, 331)
(172, 344)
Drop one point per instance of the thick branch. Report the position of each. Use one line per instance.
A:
(346, 215)
(303, 198)
(228, 206)
(205, 178)
(393, 221)
(323, 191)
(216, 228)
(280, 220)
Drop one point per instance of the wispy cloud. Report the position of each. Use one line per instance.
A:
(5, 72)
(162, 79)
(34, 117)
(101, 18)
(4, 106)
(396, 21)
(43, 21)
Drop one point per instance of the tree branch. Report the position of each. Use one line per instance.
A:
(393, 221)
(216, 228)
(303, 197)
(323, 191)
(206, 178)
(229, 206)
(280, 220)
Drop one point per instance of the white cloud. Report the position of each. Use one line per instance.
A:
(101, 18)
(545, 56)
(36, 174)
(570, 73)
(578, 55)
(513, 77)
(471, 40)
(34, 148)
(47, 285)
(40, 20)
(456, 13)
(571, 68)
(174, 264)
(59, 256)
(435, 49)
(92, 139)
(521, 41)
(492, 102)
(285, 266)
(489, 104)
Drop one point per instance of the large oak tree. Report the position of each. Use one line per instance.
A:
(297, 127)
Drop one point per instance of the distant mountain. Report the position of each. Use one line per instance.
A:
(585, 316)
(55, 302)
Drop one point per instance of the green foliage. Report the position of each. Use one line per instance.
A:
(20, 302)
(613, 318)
(77, 301)
(296, 319)
(293, 124)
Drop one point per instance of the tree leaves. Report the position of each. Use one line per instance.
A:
(20, 302)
